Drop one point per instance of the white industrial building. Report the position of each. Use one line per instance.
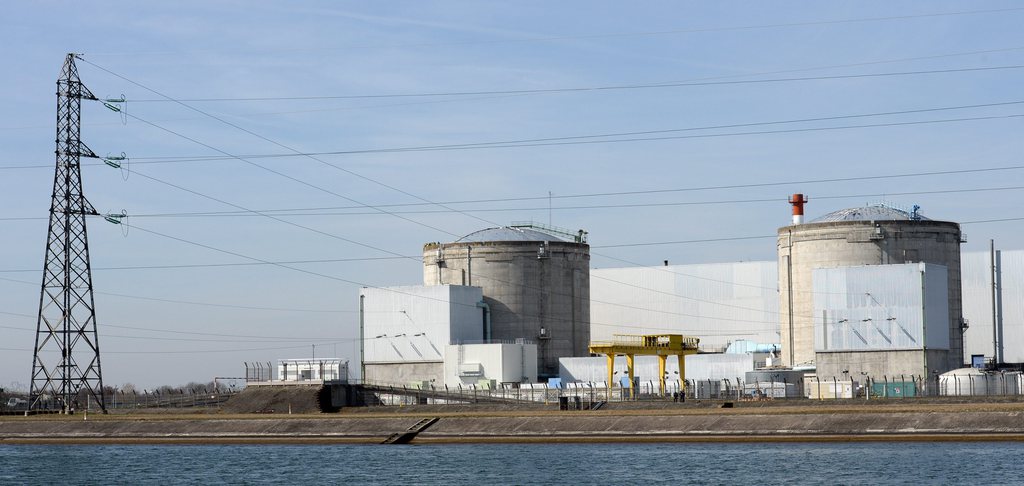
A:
(881, 320)
(1008, 314)
(535, 281)
(434, 335)
(660, 299)
(405, 329)
(717, 302)
(871, 291)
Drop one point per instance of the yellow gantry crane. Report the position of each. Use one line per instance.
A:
(660, 345)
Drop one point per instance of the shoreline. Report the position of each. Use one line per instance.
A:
(508, 439)
(977, 422)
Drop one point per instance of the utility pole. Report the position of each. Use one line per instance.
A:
(66, 359)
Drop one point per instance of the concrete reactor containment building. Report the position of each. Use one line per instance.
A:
(536, 286)
(871, 290)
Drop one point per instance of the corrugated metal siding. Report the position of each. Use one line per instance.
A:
(716, 302)
(977, 285)
(974, 273)
(881, 307)
(646, 311)
(1013, 306)
(441, 313)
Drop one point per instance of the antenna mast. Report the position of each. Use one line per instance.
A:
(66, 361)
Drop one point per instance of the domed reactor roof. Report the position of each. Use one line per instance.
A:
(507, 234)
(877, 212)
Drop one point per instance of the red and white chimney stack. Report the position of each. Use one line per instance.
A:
(798, 201)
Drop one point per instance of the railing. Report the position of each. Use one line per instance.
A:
(649, 341)
(132, 400)
(817, 388)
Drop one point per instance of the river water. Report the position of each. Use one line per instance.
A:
(931, 463)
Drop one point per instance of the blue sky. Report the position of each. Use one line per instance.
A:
(195, 50)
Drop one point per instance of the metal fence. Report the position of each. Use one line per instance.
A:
(132, 400)
(588, 393)
(168, 399)
(259, 371)
(382, 394)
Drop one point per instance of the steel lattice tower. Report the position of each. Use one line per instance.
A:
(66, 361)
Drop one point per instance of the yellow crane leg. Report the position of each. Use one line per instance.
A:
(611, 373)
(661, 372)
(682, 374)
(629, 367)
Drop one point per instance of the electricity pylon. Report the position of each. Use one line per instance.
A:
(66, 361)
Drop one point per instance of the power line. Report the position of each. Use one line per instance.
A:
(297, 212)
(931, 122)
(413, 257)
(669, 270)
(197, 333)
(289, 112)
(201, 340)
(277, 173)
(991, 220)
(602, 35)
(957, 54)
(683, 242)
(270, 216)
(393, 290)
(286, 147)
(639, 192)
(171, 331)
(532, 142)
(233, 264)
(229, 252)
(208, 304)
(320, 212)
(588, 138)
(661, 85)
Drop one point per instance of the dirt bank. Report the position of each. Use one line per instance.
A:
(986, 421)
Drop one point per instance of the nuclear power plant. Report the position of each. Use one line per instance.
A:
(499, 305)
(857, 295)
(874, 285)
(535, 284)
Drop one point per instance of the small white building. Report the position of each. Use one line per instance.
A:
(312, 370)
(490, 364)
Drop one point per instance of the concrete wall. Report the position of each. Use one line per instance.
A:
(802, 248)
(876, 364)
(405, 373)
(470, 364)
(525, 293)
(718, 302)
